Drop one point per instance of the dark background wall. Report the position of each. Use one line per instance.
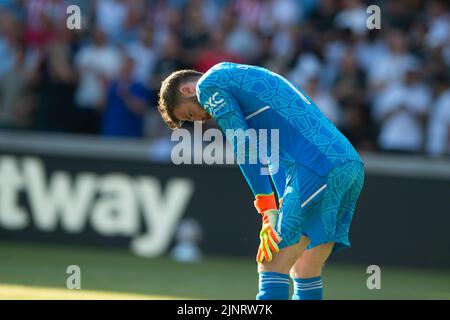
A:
(398, 221)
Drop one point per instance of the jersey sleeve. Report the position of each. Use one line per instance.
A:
(279, 181)
(226, 111)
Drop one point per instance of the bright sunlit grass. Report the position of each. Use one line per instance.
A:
(18, 292)
(39, 272)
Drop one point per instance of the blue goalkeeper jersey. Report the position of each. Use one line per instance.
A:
(248, 97)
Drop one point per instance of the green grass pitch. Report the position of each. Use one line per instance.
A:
(39, 272)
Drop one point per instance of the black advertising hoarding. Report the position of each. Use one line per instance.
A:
(136, 204)
(132, 204)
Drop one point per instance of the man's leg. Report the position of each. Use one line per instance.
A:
(274, 275)
(307, 272)
(333, 212)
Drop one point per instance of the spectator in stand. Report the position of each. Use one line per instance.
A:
(9, 38)
(350, 84)
(353, 17)
(401, 111)
(97, 64)
(214, 53)
(324, 101)
(285, 13)
(41, 17)
(126, 105)
(134, 22)
(144, 55)
(399, 14)
(358, 127)
(392, 66)
(243, 41)
(308, 66)
(438, 21)
(16, 99)
(339, 43)
(194, 35)
(169, 60)
(324, 15)
(55, 82)
(439, 126)
(111, 16)
(370, 50)
(350, 91)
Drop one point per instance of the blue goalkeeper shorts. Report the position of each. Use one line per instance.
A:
(320, 208)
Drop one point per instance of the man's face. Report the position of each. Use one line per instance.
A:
(190, 109)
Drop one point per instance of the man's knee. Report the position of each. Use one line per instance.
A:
(285, 258)
(305, 271)
(311, 263)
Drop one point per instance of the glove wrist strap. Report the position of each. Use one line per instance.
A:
(264, 202)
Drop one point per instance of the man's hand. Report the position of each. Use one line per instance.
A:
(269, 237)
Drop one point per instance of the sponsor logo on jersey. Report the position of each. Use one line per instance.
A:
(213, 104)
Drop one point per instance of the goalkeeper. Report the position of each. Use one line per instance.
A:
(318, 175)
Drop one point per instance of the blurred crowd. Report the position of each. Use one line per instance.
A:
(386, 89)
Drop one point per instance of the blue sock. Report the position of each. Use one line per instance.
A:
(308, 289)
(273, 286)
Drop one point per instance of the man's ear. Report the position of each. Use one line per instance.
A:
(187, 89)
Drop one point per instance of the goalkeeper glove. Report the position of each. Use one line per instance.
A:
(269, 238)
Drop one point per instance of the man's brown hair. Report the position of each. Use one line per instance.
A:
(169, 95)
